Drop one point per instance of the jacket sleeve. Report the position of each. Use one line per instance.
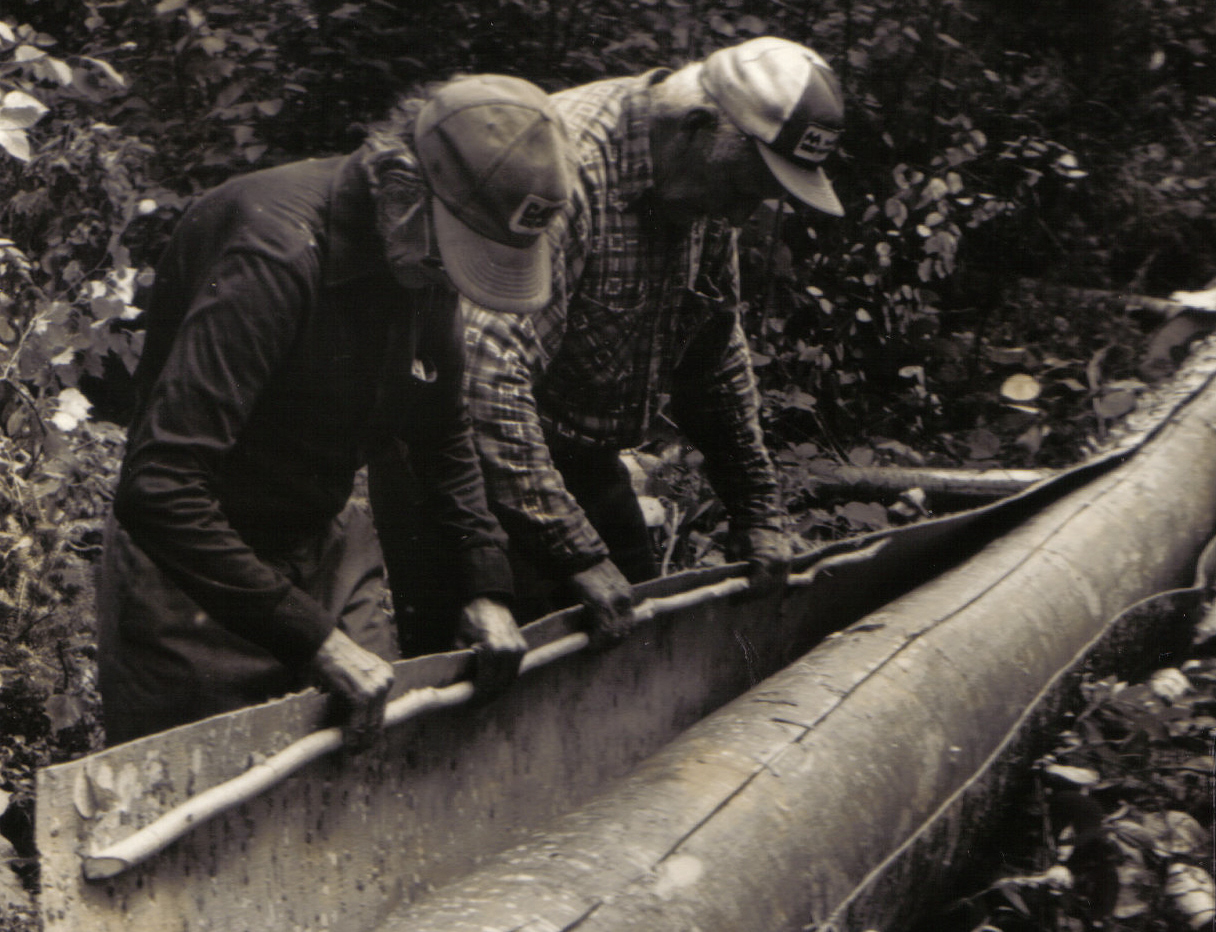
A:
(442, 453)
(716, 403)
(232, 337)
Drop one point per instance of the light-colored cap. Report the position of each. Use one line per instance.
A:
(493, 152)
(787, 97)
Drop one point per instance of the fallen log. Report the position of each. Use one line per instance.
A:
(948, 483)
(1059, 294)
(840, 792)
(344, 842)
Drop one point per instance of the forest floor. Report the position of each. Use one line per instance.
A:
(1033, 389)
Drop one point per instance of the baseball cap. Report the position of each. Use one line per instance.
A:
(493, 152)
(788, 98)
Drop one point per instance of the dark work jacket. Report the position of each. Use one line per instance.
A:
(280, 353)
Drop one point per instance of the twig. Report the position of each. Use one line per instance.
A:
(155, 837)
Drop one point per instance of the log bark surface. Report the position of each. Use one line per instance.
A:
(837, 794)
(346, 841)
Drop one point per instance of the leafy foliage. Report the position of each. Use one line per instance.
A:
(986, 142)
(1124, 802)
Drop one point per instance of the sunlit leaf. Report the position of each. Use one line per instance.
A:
(861, 456)
(63, 711)
(18, 110)
(1176, 833)
(1115, 404)
(15, 143)
(72, 408)
(653, 511)
(52, 69)
(1192, 892)
(1077, 776)
(1169, 684)
(864, 515)
(1021, 387)
(897, 211)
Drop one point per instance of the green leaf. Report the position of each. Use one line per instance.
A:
(52, 69)
(63, 711)
(18, 110)
(1115, 404)
(15, 143)
(73, 408)
(107, 69)
(897, 211)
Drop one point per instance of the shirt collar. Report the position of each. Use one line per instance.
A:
(635, 168)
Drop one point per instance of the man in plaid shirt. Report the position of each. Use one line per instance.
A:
(644, 309)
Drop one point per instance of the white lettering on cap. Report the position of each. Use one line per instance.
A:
(533, 215)
(816, 143)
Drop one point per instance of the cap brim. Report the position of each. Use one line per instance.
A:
(809, 185)
(498, 277)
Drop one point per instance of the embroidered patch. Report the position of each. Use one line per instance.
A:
(816, 143)
(533, 214)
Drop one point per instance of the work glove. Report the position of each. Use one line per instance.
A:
(359, 681)
(768, 554)
(608, 598)
(498, 646)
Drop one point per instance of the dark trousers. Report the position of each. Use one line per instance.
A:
(425, 599)
(164, 662)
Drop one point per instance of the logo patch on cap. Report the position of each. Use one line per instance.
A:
(816, 143)
(533, 215)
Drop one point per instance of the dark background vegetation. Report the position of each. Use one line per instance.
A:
(988, 144)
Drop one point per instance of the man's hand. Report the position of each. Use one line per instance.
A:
(606, 593)
(768, 554)
(360, 680)
(498, 646)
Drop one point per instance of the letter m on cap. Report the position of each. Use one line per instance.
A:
(533, 215)
(816, 143)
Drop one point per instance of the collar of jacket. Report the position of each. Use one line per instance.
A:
(355, 247)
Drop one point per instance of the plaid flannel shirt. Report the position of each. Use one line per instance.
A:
(640, 318)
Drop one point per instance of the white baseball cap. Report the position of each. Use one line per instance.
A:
(788, 98)
(494, 153)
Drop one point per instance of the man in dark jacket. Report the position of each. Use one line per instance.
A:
(301, 321)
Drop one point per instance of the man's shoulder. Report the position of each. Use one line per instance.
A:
(596, 107)
(275, 211)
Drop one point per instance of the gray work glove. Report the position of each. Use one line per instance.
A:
(768, 554)
(498, 646)
(359, 680)
(608, 598)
